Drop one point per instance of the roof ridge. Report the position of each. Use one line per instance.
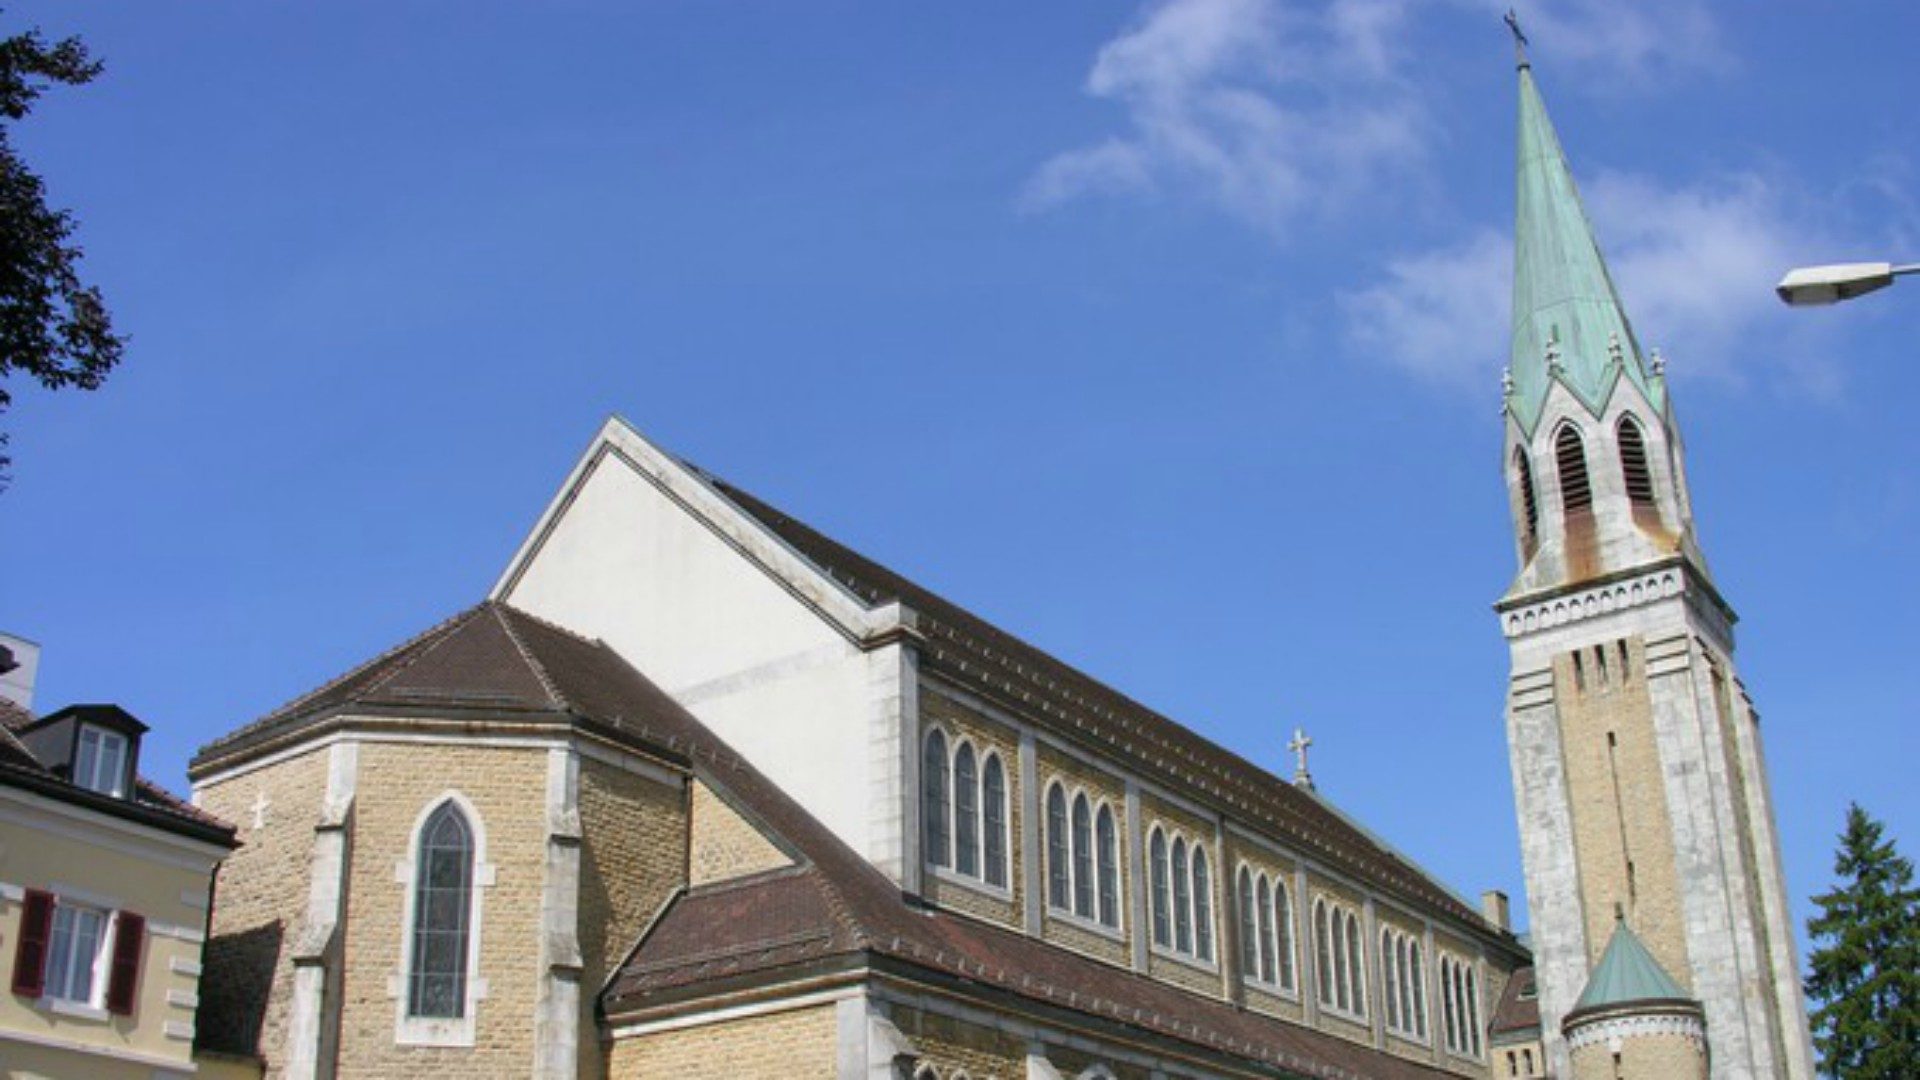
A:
(558, 699)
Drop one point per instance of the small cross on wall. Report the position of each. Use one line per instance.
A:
(260, 808)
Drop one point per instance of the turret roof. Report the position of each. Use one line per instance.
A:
(1627, 974)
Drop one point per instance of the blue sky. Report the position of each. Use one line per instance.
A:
(1166, 336)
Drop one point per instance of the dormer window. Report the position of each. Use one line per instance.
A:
(100, 760)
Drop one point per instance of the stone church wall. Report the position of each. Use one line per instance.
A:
(1260, 997)
(1164, 963)
(950, 1045)
(798, 1044)
(398, 784)
(252, 928)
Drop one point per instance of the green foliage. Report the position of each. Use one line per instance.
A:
(53, 326)
(1865, 978)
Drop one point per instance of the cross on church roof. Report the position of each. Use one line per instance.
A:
(1519, 39)
(1299, 745)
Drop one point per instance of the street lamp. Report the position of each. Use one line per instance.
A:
(1811, 286)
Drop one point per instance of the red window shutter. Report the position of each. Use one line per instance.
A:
(30, 956)
(123, 984)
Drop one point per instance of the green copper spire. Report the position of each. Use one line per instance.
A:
(1627, 973)
(1564, 302)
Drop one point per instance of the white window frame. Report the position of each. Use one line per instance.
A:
(123, 746)
(100, 969)
(982, 753)
(1277, 938)
(1403, 1001)
(1460, 995)
(1097, 806)
(1196, 903)
(1344, 972)
(435, 1030)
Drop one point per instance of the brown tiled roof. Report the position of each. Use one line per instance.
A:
(987, 660)
(1519, 1010)
(12, 716)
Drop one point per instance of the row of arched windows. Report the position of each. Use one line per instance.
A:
(1266, 930)
(1182, 894)
(1340, 951)
(1404, 985)
(964, 809)
(1083, 856)
(1576, 485)
(1460, 1006)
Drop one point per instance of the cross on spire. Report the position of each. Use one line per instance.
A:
(1299, 745)
(1519, 39)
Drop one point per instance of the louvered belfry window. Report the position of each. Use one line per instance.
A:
(1576, 489)
(1529, 506)
(1633, 463)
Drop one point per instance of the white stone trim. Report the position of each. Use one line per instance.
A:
(182, 966)
(1583, 604)
(734, 1012)
(131, 1057)
(1612, 1030)
(366, 729)
(178, 1029)
(556, 1021)
(438, 1031)
(314, 947)
(183, 999)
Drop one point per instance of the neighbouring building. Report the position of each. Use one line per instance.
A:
(1645, 818)
(105, 880)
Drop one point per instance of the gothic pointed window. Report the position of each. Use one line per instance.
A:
(442, 904)
(966, 821)
(1082, 857)
(993, 788)
(1108, 856)
(1418, 977)
(1283, 932)
(1265, 906)
(1182, 898)
(1058, 872)
(1323, 952)
(1633, 463)
(935, 809)
(1162, 933)
(1249, 945)
(1529, 503)
(1202, 905)
(1570, 454)
(1390, 986)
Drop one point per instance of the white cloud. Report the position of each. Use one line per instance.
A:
(1267, 109)
(1695, 266)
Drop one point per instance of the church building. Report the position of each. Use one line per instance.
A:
(697, 791)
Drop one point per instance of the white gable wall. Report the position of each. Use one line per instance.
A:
(770, 654)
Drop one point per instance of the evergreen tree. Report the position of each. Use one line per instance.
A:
(53, 326)
(1865, 980)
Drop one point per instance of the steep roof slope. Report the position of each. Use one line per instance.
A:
(974, 653)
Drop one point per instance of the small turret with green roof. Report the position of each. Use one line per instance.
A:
(1634, 1018)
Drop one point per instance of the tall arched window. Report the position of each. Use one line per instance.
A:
(994, 794)
(1162, 931)
(1390, 986)
(963, 808)
(1182, 898)
(1633, 463)
(1058, 872)
(1323, 972)
(1570, 454)
(1342, 973)
(1249, 935)
(1356, 964)
(1283, 932)
(1109, 858)
(442, 910)
(1529, 504)
(1202, 904)
(1082, 857)
(935, 810)
(966, 822)
(1418, 976)
(1264, 904)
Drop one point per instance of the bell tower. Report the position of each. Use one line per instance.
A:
(1638, 774)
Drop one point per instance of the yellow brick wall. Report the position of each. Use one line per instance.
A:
(633, 853)
(1259, 859)
(260, 898)
(724, 844)
(1204, 978)
(1604, 837)
(978, 898)
(397, 784)
(800, 1044)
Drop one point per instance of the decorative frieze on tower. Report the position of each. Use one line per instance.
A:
(1638, 774)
